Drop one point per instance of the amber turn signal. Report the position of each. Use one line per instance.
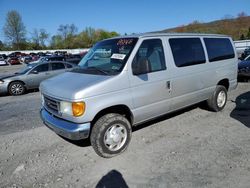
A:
(78, 108)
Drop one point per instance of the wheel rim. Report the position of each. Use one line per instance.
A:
(221, 99)
(115, 137)
(17, 89)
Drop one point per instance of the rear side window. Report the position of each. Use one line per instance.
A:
(219, 49)
(57, 66)
(187, 51)
(42, 68)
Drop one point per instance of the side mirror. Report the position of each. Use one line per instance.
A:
(141, 67)
(34, 72)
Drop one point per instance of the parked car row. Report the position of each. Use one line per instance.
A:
(18, 57)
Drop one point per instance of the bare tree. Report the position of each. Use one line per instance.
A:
(14, 28)
(43, 36)
(35, 38)
(67, 30)
(39, 38)
(67, 33)
(242, 15)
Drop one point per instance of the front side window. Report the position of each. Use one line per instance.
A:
(68, 66)
(42, 68)
(107, 57)
(187, 51)
(151, 52)
(219, 49)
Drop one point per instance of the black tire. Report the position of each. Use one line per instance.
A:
(102, 130)
(214, 103)
(16, 88)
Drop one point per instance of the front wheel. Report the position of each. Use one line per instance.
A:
(16, 88)
(110, 135)
(218, 100)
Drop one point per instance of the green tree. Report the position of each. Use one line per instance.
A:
(14, 29)
(1, 45)
(56, 42)
(242, 37)
(248, 34)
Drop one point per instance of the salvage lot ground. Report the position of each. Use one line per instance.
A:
(191, 148)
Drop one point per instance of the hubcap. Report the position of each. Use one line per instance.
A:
(221, 99)
(16, 89)
(115, 137)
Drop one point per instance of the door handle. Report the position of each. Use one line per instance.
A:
(47, 73)
(168, 86)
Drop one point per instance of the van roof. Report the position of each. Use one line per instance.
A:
(144, 35)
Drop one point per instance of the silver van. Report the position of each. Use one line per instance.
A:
(125, 81)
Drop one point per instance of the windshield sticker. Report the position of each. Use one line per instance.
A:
(118, 56)
(124, 42)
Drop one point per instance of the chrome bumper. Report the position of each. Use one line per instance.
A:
(70, 130)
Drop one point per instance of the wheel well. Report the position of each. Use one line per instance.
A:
(119, 109)
(17, 81)
(224, 82)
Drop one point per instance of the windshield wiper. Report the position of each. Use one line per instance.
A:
(98, 69)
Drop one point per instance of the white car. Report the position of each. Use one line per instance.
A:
(3, 62)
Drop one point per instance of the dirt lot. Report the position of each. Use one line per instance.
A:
(191, 148)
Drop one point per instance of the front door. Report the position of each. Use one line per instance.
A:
(151, 90)
(37, 75)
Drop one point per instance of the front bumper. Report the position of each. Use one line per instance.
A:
(4, 88)
(70, 130)
(244, 74)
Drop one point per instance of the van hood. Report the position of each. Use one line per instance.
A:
(75, 86)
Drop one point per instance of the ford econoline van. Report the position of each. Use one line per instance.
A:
(125, 81)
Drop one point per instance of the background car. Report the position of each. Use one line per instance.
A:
(13, 61)
(2, 61)
(26, 59)
(31, 76)
(49, 58)
(244, 69)
(74, 58)
(246, 53)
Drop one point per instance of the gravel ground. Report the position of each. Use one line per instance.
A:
(190, 148)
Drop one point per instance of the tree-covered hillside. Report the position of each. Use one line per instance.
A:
(238, 28)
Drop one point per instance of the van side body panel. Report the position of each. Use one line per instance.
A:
(146, 95)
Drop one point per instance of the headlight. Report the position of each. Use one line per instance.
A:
(1, 81)
(42, 99)
(65, 108)
(74, 109)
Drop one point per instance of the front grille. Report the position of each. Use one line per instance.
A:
(51, 104)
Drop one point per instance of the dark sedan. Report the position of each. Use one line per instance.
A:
(244, 68)
(31, 76)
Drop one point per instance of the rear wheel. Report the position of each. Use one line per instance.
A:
(16, 88)
(218, 100)
(110, 135)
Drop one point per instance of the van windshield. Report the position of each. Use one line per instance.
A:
(107, 57)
